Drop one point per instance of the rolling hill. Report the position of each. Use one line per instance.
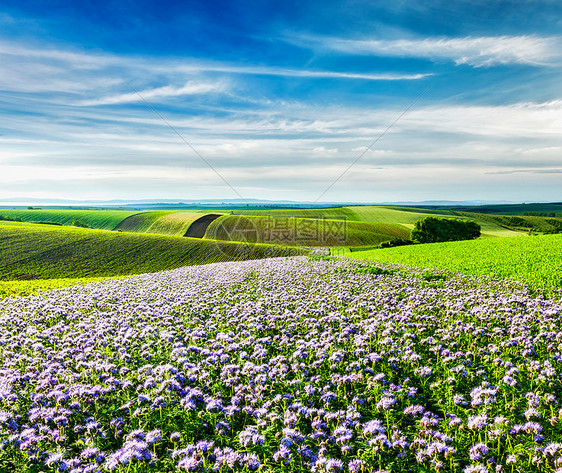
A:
(365, 225)
(405, 216)
(30, 251)
(302, 231)
(101, 219)
(161, 222)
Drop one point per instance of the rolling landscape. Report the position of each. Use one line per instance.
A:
(172, 322)
(280, 237)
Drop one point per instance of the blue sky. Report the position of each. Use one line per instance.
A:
(279, 98)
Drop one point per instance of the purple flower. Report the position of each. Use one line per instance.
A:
(373, 427)
(478, 451)
(356, 466)
(154, 436)
(478, 422)
(250, 436)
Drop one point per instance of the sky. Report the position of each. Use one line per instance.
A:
(352, 101)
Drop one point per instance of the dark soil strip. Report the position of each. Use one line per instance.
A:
(198, 228)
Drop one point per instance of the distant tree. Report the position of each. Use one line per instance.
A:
(80, 223)
(433, 229)
(395, 242)
(540, 214)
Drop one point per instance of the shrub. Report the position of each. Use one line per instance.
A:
(80, 223)
(7, 218)
(555, 223)
(514, 221)
(540, 214)
(395, 242)
(43, 222)
(433, 229)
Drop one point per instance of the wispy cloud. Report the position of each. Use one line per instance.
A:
(528, 171)
(190, 88)
(100, 76)
(44, 52)
(475, 51)
(54, 135)
(311, 74)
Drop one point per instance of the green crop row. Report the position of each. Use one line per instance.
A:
(302, 231)
(176, 223)
(359, 213)
(30, 252)
(141, 222)
(102, 219)
(406, 216)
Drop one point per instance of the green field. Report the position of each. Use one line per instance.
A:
(141, 222)
(29, 251)
(102, 219)
(359, 213)
(303, 231)
(516, 209)
(333, 213)
(524, 223)
(402, 215)
(405, 216)
(176, 223)
(534, 259)
(24, 288)
(160, 222)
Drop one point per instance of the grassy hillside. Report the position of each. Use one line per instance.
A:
(301, 231)
(29, 251)
(521, 222)
(405, 216)
(102, 219)
(336, 213)
(402, 215)
(140, 222)
(536, 259)
(364, 213)
(175, 223)
(160, 222)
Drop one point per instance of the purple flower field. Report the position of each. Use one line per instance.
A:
(282, 365)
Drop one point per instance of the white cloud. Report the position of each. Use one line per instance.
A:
(190, 88)
(475, 51)
(99, 78)
(265, 145)
(275, 71)
(374, 151)
(322, 151)
(46, 53)
(520, 120)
